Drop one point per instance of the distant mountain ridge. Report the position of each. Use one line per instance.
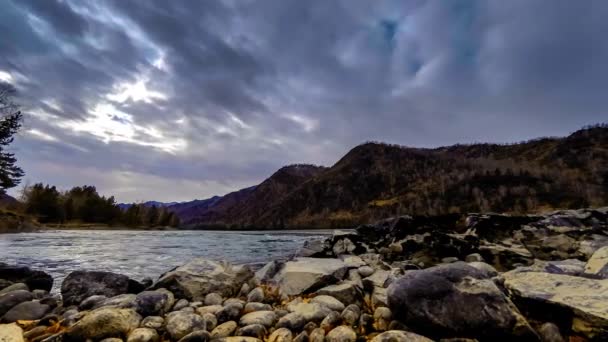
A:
(376, 180)
(125, 206)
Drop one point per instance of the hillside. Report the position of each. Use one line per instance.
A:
(247, 203)
(376, 180)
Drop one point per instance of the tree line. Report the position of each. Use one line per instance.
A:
(84, 204)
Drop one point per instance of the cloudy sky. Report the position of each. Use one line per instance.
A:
(176, 100)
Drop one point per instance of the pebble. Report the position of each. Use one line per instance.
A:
(252, 330)
(331, 321)
(281, 335)
(265, 318)
(224, 330)
(329, 302)
(230, 312)
(293, 321)
(256, 295)
(213, 299)
(365, 271)
(317, 335)
(152, 322)
(143, 335)
(180, 324)
(180, 304)
(302, 337)
(549, 332)
(214, 309)
(251, 307)
(209, 321)
(341, 334)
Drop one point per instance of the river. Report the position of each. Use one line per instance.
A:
(140, 254)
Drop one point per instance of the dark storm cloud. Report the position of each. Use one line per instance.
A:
(181, 99)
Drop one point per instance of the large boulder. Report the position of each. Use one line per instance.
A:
(200, 277)
(103, 323)
(581, 304)
(22, 274)
(455, 300)
(303, 275)
(80, 285)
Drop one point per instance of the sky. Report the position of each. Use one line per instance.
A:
(177, 100)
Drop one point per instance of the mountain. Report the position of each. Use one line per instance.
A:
(239, 206)
(125, 206)
(376, 180)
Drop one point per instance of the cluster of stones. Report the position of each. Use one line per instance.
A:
(406, 279)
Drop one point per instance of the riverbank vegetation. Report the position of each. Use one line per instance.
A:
(83, 206)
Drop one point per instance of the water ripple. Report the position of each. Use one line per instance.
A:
(143, 254)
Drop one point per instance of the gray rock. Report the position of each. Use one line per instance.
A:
(92, 302)
(455, 300)
(341, 334)
(486, 268)
(317, 335)
(344, 292)
(214, 309)
(121, 301)
(230, 312)
(310, 311)
(399, 336)
(328, 301)
(22, 274)
(549, 332)
(474, 257)
(102, 323)
(40, 294)
(10, 299)
(256, 295)
(199, 277)
(26, 311)
(213, 298)
(303, 275)
(267, 272)
(14, 287)
(79, 285)
(251, 307)
(351, 315)
(291, 321)
(343, 246)
(11, 333)
(253, 330)
(152, 303)
(365, 271)
(281, 335)
(209, 321)
(582, 301)
(244, 290)
(598, 264)
(143, 335)
(180, 304)
(196, 336)
(265, 318)
(179, 324)
(380, 278)
(311, 248)
(152, 322)
(235, 301)
(331, 321)
(224, 330)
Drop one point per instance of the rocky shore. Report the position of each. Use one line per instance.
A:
(448, 278)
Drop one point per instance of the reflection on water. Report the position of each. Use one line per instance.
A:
(143, 254)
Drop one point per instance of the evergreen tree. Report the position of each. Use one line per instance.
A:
(10, 123)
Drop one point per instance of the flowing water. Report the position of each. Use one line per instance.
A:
(140, 254)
